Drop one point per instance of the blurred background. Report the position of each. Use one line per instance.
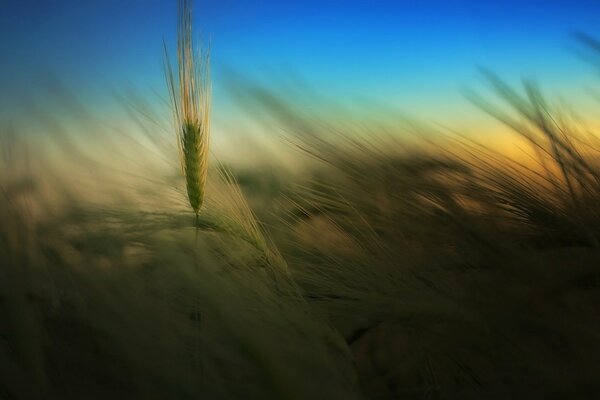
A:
(357, 241)
(375, 57)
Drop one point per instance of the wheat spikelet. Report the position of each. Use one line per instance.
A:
(190, 100)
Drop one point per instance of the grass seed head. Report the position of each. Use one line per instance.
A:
(190, 100)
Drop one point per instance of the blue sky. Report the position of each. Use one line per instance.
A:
(412, 54)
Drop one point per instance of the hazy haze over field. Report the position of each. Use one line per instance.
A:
(411, 56)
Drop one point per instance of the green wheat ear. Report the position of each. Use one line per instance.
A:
(195, 163)
(190, 101)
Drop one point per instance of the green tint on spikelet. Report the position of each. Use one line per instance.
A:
(195, 163)
(189, 89)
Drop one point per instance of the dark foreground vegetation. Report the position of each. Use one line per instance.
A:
(389, 268)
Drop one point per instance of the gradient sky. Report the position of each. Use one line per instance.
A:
(415, 55)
